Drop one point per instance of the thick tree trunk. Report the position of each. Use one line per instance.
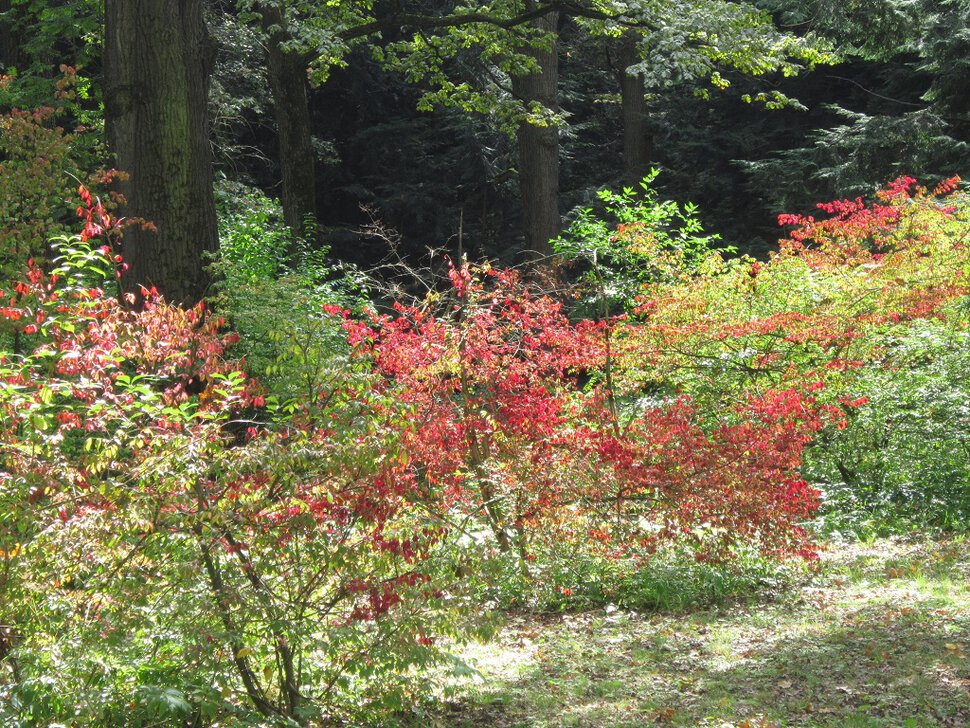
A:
(158, 57)
(636, 140)
(288, 83)
(539, 148)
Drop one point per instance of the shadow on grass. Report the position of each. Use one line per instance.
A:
(886, 659)
(879, 665)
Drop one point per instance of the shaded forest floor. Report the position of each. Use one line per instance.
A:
(878, 636)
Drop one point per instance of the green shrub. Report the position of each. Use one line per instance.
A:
(638, 239)
(273, 288)
(903, 460)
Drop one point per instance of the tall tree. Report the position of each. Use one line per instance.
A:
(158, 57)
(287, 71)
(539, 142)
(500, 58)
(668, 43)
(636, 143)
(526, 32)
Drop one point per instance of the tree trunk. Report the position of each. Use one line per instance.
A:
(636, 142)
(157, 61)
(539, 147)
(288, 82)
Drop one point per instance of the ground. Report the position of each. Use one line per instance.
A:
(879, 635)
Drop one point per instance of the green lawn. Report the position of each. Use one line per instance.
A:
(879, 636)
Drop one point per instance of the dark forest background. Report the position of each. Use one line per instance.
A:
(890, 101)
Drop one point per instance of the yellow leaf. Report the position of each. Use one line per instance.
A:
(244, 652)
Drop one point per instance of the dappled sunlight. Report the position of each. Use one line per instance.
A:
(884, 660)
(878, 638)
(309, 495)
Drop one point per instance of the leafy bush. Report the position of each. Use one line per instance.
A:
(640, 240)
(35, 186)
(41, 163)
(272, 290)
(181, 543)
(166, 558)
(525, 463)
(853, 310)
(902, 461)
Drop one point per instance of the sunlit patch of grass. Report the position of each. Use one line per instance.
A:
(879, 636)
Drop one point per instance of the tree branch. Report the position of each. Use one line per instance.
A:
(432, 22)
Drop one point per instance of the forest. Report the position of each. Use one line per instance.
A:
(494, 363)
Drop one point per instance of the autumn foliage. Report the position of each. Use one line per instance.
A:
(512, 425)
(308, 560)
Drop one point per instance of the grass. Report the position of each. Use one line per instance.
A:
(878, 636)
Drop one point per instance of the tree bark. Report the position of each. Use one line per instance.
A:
(158, 58)
(288, 84)
(636, 140)
(539, 147)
